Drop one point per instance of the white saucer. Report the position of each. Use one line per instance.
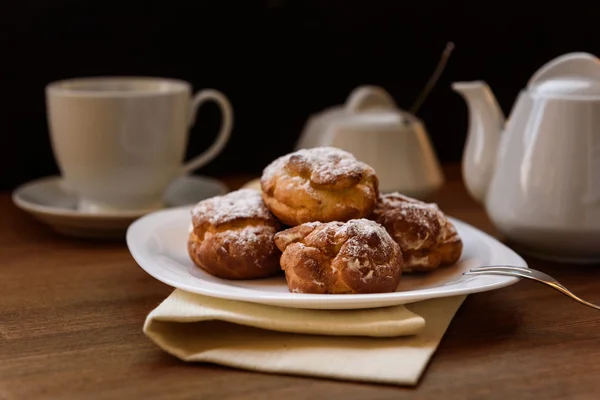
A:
(158, 240)
(46, 200)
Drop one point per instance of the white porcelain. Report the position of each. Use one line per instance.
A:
(120, 141)
(46, 200)
(158, 240)
(538, 174)
(253, 184)
(393, 141)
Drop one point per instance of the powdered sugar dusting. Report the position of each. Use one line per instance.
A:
(416, 212)
(324, 164)
(363, 243)
(357, 256)
(247, 242)
(329, 164)
(239, 204)
(249, 235)
(366, 236)
(425, 220)
(419, 228)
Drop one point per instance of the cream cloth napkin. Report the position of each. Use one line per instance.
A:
(389, 345)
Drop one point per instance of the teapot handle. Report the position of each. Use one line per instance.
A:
(570, 64)
(368, 96)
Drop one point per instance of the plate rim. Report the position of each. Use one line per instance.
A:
(50, 211)
(314, 301)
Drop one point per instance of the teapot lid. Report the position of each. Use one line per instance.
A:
(570, 74)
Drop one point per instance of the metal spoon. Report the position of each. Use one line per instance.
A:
(432, 79)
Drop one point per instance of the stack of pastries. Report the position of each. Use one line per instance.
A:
(320, 218)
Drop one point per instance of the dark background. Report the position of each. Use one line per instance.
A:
(278, 61)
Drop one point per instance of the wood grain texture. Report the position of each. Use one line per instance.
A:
(71, 313)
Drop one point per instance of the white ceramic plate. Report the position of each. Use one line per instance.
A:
(158, 241)
(47, 200)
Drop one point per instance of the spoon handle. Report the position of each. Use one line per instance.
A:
(433, 79)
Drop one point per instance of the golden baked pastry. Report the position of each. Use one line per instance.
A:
(357, 256)
(320, 184)
(425, 235)
(232, 236)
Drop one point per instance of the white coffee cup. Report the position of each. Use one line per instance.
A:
(120, 141)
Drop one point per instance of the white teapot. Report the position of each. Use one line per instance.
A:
(538, 174)
(392, 141)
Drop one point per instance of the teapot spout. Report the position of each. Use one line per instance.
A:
(486, 122)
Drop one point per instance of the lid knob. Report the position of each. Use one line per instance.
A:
(368, 96)
(570, 74)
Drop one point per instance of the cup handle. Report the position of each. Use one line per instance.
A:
(224, 132)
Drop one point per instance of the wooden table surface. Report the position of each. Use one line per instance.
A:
(71, 315)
